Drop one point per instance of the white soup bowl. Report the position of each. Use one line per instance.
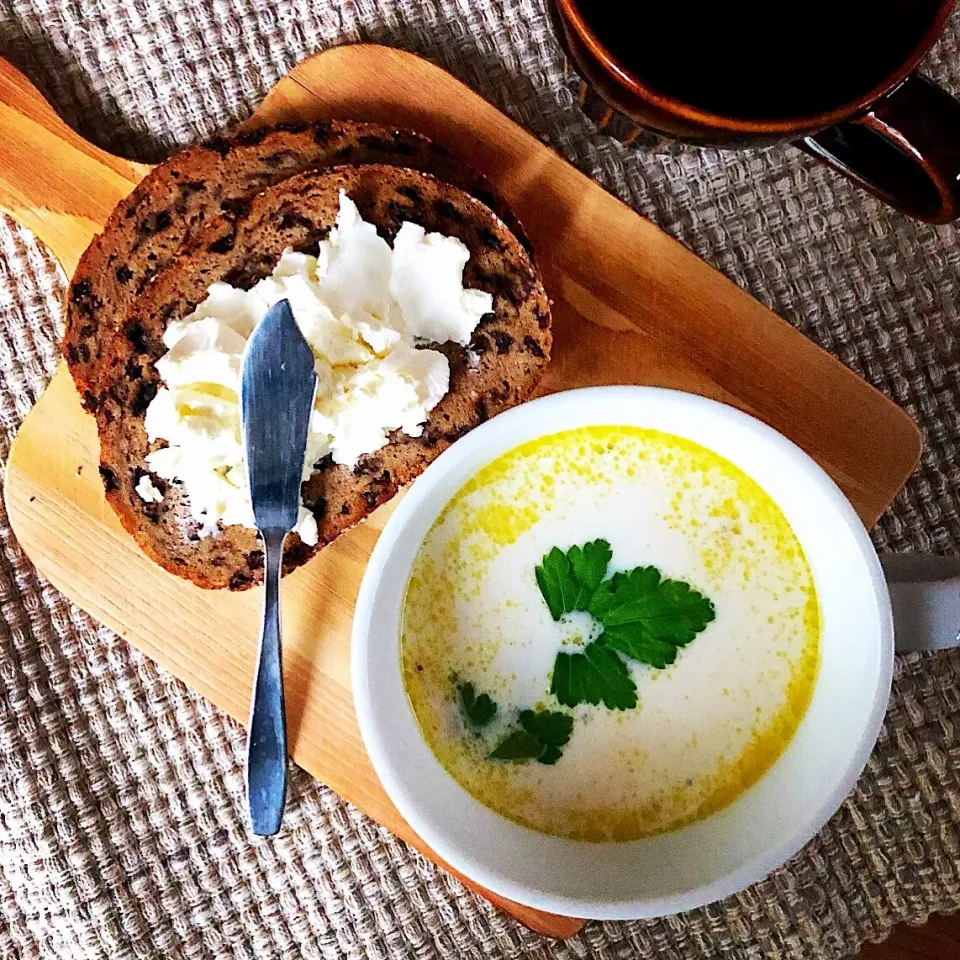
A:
(728, 850)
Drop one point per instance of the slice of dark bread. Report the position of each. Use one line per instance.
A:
(502, 366)
(202, 183)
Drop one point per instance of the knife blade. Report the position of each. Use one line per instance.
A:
(277, 387)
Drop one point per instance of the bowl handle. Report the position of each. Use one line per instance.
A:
(925, 594)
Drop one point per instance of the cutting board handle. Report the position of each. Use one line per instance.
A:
(52, 180)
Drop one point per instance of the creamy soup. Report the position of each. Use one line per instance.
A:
(480, 641)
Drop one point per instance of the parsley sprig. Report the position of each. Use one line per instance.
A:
(643, 617)
(541, 736)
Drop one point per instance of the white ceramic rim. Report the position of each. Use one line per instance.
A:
(497, 882)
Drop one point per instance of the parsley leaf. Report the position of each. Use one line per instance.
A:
(608, 595)
(597, 674)
(548, 726)
(478, 711)
(589, 565)
(518, 745)
(638, 646)
(568, 580)
(638, 607)
(542, 735)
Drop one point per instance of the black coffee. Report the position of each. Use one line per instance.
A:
(778, 59)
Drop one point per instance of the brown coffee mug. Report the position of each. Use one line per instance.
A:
(834, 76)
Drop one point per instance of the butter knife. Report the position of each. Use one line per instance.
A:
(276, 396)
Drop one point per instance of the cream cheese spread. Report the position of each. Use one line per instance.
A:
(367, 309)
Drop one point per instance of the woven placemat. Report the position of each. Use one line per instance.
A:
(122, 829)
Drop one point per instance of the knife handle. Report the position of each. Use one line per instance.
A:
(267, 744)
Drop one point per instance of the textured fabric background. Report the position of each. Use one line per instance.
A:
(121, 793)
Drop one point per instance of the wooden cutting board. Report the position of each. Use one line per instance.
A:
(631, 306)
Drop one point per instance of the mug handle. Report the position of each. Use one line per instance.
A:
(925, 595)
(905, 149)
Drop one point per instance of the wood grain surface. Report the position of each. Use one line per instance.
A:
(631, 306)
